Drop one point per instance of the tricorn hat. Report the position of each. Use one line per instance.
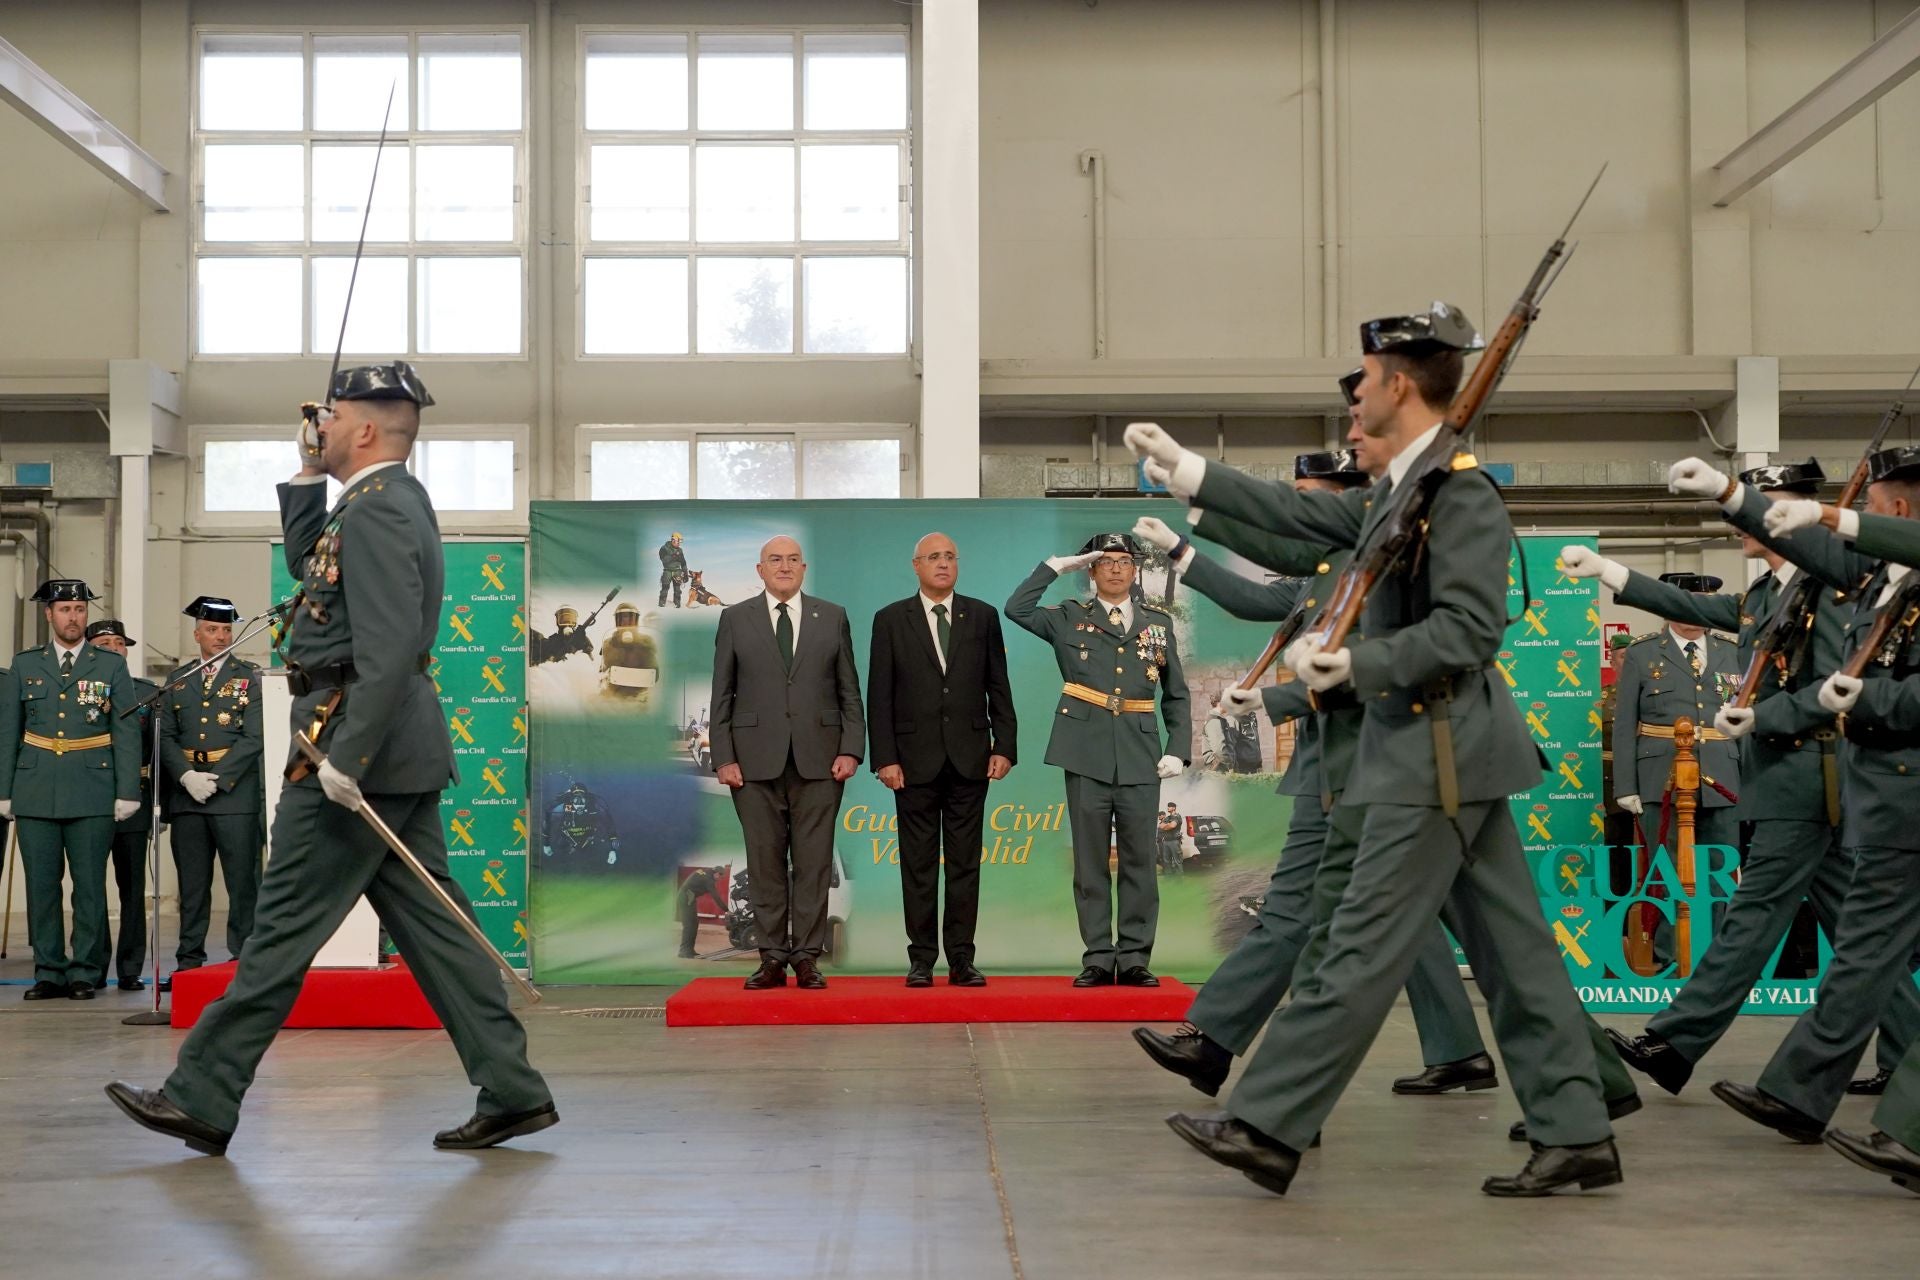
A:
(1104, 542)
(1444, 327)
(1332, 464)
(1891, 464)
(396, 381)
(1786, 477)
(212, 609)
(1702, 582)
(54, 590)
(110, 627)
(1350, 386)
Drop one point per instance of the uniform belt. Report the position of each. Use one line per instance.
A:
(1111, 701)
(1701, 733)
(60, 746)
(303, 681)
(208, 757)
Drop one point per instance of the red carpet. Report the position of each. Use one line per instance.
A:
(386, 997)
(721, 1002)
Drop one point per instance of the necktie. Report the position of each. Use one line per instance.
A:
(66, 665)
(945, 629)
(783, 632)
(1693, 656)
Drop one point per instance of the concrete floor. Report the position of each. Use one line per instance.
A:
(1032, 1151)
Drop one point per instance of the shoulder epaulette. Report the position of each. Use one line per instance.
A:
(1651, 635)
(1154, 608)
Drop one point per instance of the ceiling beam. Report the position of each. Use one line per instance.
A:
(81, 129)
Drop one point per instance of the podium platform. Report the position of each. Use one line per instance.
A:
(855, 1001)
(382, 998)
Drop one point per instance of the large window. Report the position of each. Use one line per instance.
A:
(286, 128)
(744, 193)
(746, 461)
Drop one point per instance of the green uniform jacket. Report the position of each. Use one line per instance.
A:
(1656, 686)
(198, 718)
(34, 699)
(1145, 662)
(372, 575)
(1432, 626)
(141, 821)
(1889, 538)
(1780, 770)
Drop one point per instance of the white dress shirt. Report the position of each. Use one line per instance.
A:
(61, 652)
(1125, 606)
(793, 615)
(1403, 460)
(933, 623)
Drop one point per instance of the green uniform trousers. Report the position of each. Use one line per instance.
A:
(50, 849)
(1899, 1111)
(1872, 948)
(130, 882)
(1788, 859)
(1114, 819)
(1411, 862)
(197, 838)
(324, 858)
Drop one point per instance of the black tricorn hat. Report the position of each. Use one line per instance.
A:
(1443, 327)
(212, 609)
(396, 381)
(54, 590)
(1702, 582)
(1350, 386)
(1786, 477)
(1889, 464)
(1104, 542)
(1332, 464)
(110, 627)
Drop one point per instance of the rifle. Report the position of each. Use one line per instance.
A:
(1282, 637)
(595, 615)
(1403, 527)
(1900, 614)
(1780, 643)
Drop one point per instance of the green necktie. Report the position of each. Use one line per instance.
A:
(66, 666)
(783, 632)
(945, 629)
(1693, 657)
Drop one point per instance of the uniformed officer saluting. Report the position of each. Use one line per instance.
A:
(358, 646)
(1105, 738)
(69, 770)
(210, 745)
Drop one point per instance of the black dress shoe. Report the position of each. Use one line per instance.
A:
(965, 976)
(1190, 1053)
(1549, 1169)
(920, 975)
(1762, 1107)
(80, 991)
(1653, 1057)
(1879, 1153)
(1137, 975)
(132, 984)
(1617, 1108)
(166, 984)
(1873, 1086)
(1238, 1145)
(152, 1109)
(1094, 976)
(44, 990)
(1470, 1074)
(771, 973)
(806, 975)
(491, 1131)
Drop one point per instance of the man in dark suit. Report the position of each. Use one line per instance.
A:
(939, 653)
(787, 733)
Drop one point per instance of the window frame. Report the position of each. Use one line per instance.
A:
(798, 250)
(587, 434)
(452, 519)
(410, 138)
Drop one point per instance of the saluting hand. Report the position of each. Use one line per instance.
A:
(1585, 562)
(1693, 478)
(1155, 531)
(1150, 440)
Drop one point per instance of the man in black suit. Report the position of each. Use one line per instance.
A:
(943, 728)
(787, 733)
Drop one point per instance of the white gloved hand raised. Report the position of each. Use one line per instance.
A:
(340, 788)
(1149, 440)
(1585, 562)
(1155, 531)
(1789, 514)
(199, 785)
(1067, 564)
(1630, 803)
(1693, 478)
(1235, 701)
(1735, 722)
(1163, 476)
(124, 809)
(1170, 767)
(1840, 692)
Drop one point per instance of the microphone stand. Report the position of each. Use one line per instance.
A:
(156, 1016)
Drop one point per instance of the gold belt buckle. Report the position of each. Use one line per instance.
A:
(59, 746)
(1113, 703)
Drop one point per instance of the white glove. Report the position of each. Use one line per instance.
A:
(309, 441)
(1840, 692)
(1585, 562)
(6, 808)
(1630, 803)
(1067, 564)
(1148, 440)
(1328, 669)
(1149, 529)
(199, 785)
(1735, 722)
(124, 809)
(1692, 478)
(1235, 701)
(340, 789)
(1170, 767)
(1788, 514)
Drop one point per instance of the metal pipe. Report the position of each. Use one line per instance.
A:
(42, 550)
(1095, 164)
(19, 539)
(1329, 191)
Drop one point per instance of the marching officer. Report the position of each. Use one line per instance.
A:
(211, 741)
(129, 834)
(1105, 740)
(673, 570)
(69, 770)
(1682, 670)
(358, 646)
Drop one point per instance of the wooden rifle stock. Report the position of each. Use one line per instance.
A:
(1903, 610)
